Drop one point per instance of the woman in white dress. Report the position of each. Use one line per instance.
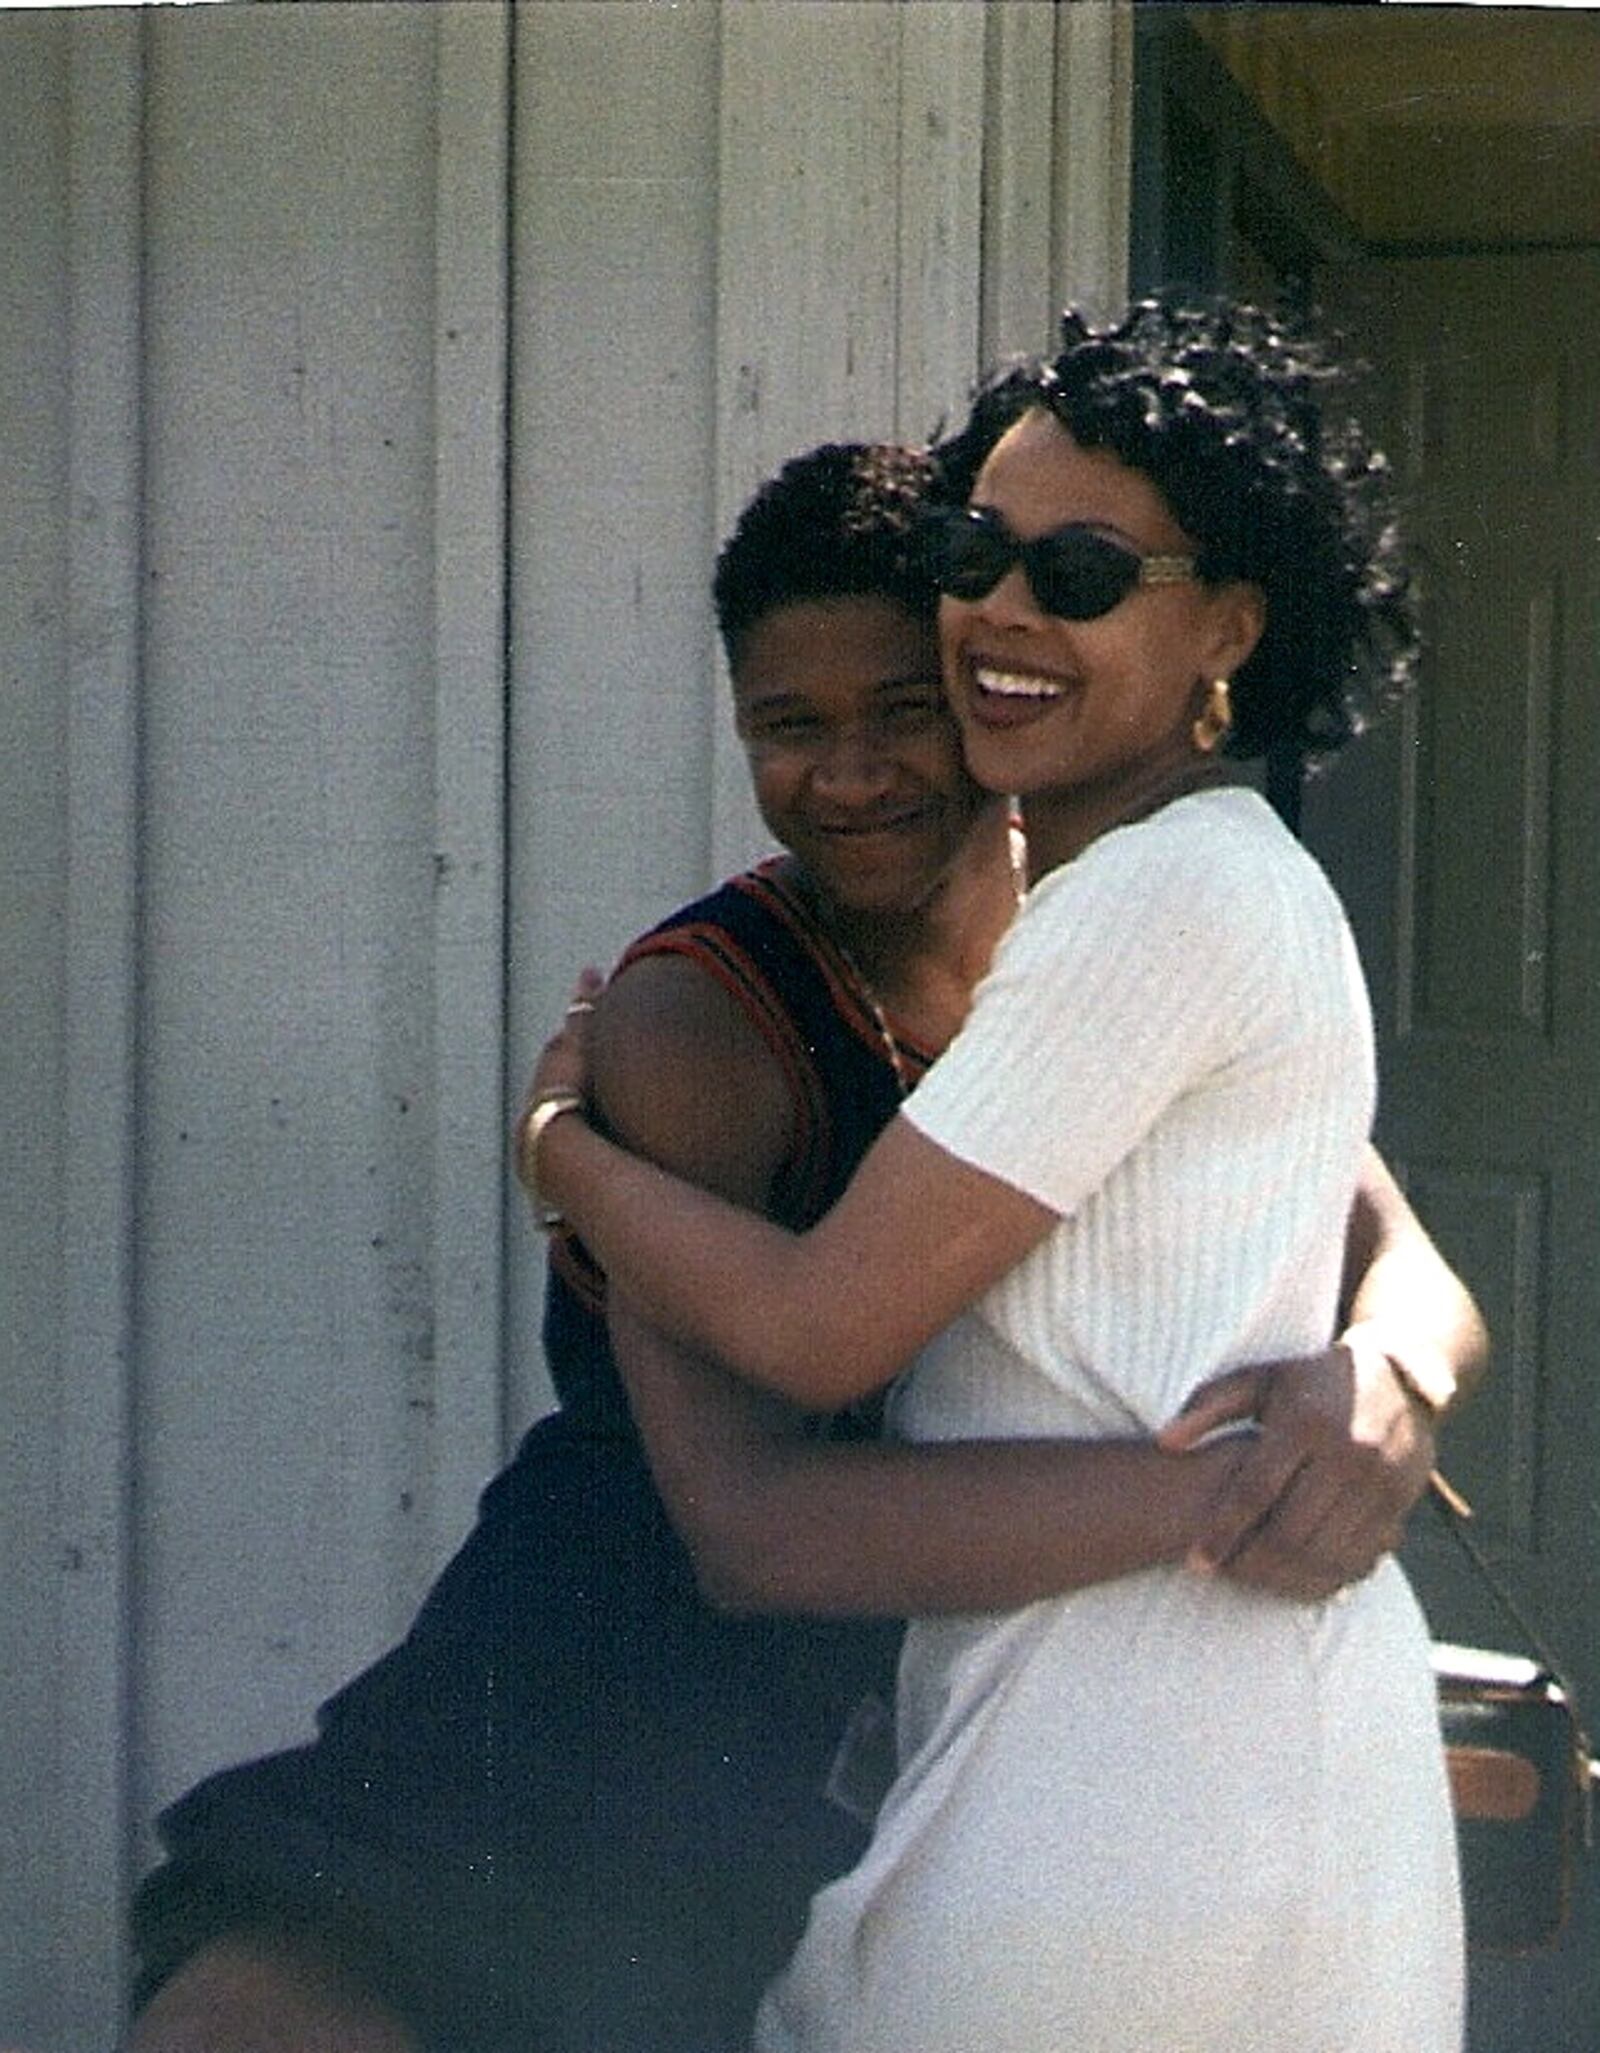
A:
(1161, 1814)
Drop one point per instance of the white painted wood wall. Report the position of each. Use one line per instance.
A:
(375, 381)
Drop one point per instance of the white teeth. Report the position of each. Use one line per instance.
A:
(1009, 684)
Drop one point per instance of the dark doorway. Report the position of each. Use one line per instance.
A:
(1428, 180)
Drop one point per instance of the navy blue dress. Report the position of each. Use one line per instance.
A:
(575, 1808)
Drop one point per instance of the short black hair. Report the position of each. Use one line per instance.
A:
(838, 522)
(1237, 419)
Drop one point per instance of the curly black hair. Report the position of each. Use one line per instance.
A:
(1232, 415)
(840, 521)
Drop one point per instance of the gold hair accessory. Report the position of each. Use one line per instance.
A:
(1216, 718)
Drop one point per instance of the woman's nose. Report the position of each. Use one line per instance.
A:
(1011, 602)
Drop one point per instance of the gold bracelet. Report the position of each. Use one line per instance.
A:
(530, 1129)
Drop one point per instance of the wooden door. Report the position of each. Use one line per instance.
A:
(1465, 839)
(1463, 835)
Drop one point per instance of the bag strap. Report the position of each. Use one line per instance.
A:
(1456, 1511)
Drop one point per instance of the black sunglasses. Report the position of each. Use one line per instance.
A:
(1074, 573)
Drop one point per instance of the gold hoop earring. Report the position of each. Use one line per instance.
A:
(1216, 718)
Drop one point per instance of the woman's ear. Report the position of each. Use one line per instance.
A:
(1238, 616)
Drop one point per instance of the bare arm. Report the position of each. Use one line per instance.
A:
(1341, 1457)
(1401, 1291)
(823, 1317)
(777, 1518)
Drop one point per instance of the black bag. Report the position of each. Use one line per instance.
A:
(1522, 1781)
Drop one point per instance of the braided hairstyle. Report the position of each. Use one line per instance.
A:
(838, 522)
(1236, 420)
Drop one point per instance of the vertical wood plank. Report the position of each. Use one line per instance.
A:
(614, 287)
(1058, 167)
(1094, 155)
(808, 234)
(809, 270)
(1019, 151)
(465, 1433)
(35, 456)
(93, 1831)
(940, 188)
(286, 1140)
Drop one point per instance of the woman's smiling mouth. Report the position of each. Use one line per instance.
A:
(1006, 698)
(1016, 684)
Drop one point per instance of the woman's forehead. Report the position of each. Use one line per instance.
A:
(1039, 477)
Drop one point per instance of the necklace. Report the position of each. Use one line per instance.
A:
(880, 1019)
(860, 985)
(864, 989)
(1017, 851)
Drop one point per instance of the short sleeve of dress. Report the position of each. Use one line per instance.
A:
(1131, 976)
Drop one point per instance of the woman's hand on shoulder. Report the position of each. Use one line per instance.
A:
(563, 1064)
(675, 1071)
(560, 1078)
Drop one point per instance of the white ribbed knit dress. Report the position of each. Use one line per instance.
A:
(1165, 1815)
